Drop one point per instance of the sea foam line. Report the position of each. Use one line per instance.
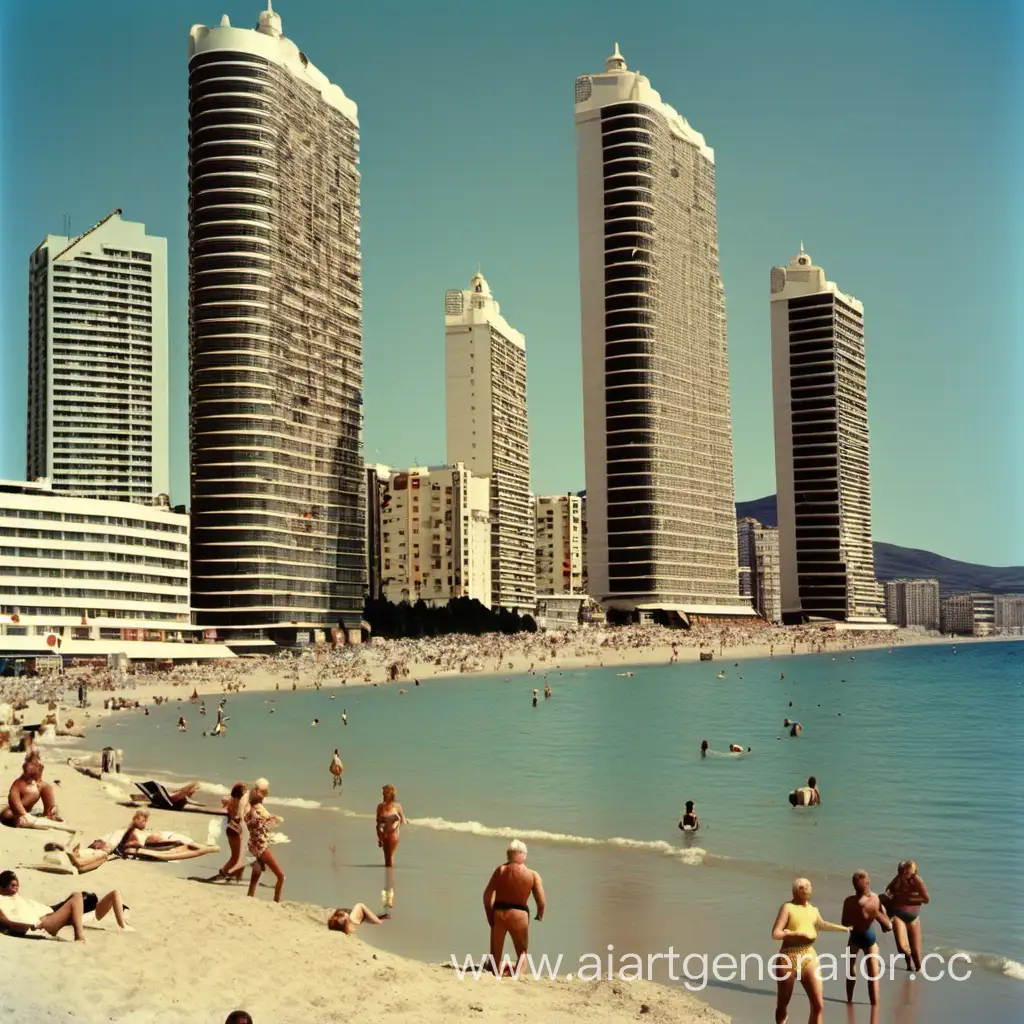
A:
(992, 962)
(692, 855)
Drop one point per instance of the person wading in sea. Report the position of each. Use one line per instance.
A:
(505, 904)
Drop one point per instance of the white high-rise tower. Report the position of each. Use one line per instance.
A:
(823, 479)
(661, 523)
(485, 398)
(97, 363)
(275, 334)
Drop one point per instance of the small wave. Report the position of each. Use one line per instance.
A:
(692, 855)
(294, 801)
(276, 838)
(991, 962)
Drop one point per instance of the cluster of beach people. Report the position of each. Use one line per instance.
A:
(512, 885)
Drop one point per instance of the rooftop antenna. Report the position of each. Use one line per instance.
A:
(801, 240)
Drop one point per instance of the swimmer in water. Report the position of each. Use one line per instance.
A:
(182, 724)
(721, 675)
(689, 822)
(316, 721)
(336, 768)
(535, 692)
(547, 691)
(735, 748)
(704, 747)
(795, 729)
(344, 717)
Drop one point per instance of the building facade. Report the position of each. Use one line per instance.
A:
(90, 572)
(487, 430)
(823, 478)
(969, 614)
(560, 544)
(275, 296)
(767, 587)
(745, 555)
(97, 363)
(435, 535)
(661, 530)
(1009, 613)
(913, 603)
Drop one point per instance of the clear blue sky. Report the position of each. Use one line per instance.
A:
(884, 133)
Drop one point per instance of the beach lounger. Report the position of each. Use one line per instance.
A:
(160, 799)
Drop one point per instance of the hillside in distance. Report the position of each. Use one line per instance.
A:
(894, 562)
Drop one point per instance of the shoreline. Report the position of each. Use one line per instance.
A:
(291, 938)
(262, 676)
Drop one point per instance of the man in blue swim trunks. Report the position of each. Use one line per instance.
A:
(860, 912)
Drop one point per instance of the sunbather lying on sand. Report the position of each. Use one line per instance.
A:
(169, 845)
(20, 915)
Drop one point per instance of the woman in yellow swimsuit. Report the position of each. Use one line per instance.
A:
(797, 927)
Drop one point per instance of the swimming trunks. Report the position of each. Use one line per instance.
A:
(863, 940)
(906, 916)
(511, 906)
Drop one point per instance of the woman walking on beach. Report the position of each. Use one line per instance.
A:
(904, 897)
(796, 927)
(259, 821)
(235, 806)
(389, 817)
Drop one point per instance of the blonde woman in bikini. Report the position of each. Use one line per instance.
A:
(796, 927)
(260, 821)
(389, 817)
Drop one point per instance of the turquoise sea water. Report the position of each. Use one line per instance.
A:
(917, 754)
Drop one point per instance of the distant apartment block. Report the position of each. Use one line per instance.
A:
(745, 553)
(767, 595)
(913, 603)
(823, 478)
(968, 614)
(560, 544)
(485, 401)
(1009, 613)
(435, 534)
(97, 363)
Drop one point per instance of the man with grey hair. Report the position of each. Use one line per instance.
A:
(505, 903)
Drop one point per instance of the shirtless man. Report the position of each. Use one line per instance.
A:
(505, 903)
(808, 796)
(860, 912)
(26, 791)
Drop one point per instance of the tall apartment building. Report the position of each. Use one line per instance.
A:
(97, 363)
(823, 479)
(969, 614)
(1009, 613)
(661, 529)
(745, 555)
(275, 296)
(485, 398)
(913, 603)
(560, 544)
(435, 535)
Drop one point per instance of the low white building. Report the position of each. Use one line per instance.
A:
(435, 534)
(559, 544)
(93, 577)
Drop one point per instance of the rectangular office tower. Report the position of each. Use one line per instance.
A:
(97, 363)
(485, 401)
(661, 523)
(822, 475)
(275, 306)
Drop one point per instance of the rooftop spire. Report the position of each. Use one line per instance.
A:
(269, 21)
(616, 62)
